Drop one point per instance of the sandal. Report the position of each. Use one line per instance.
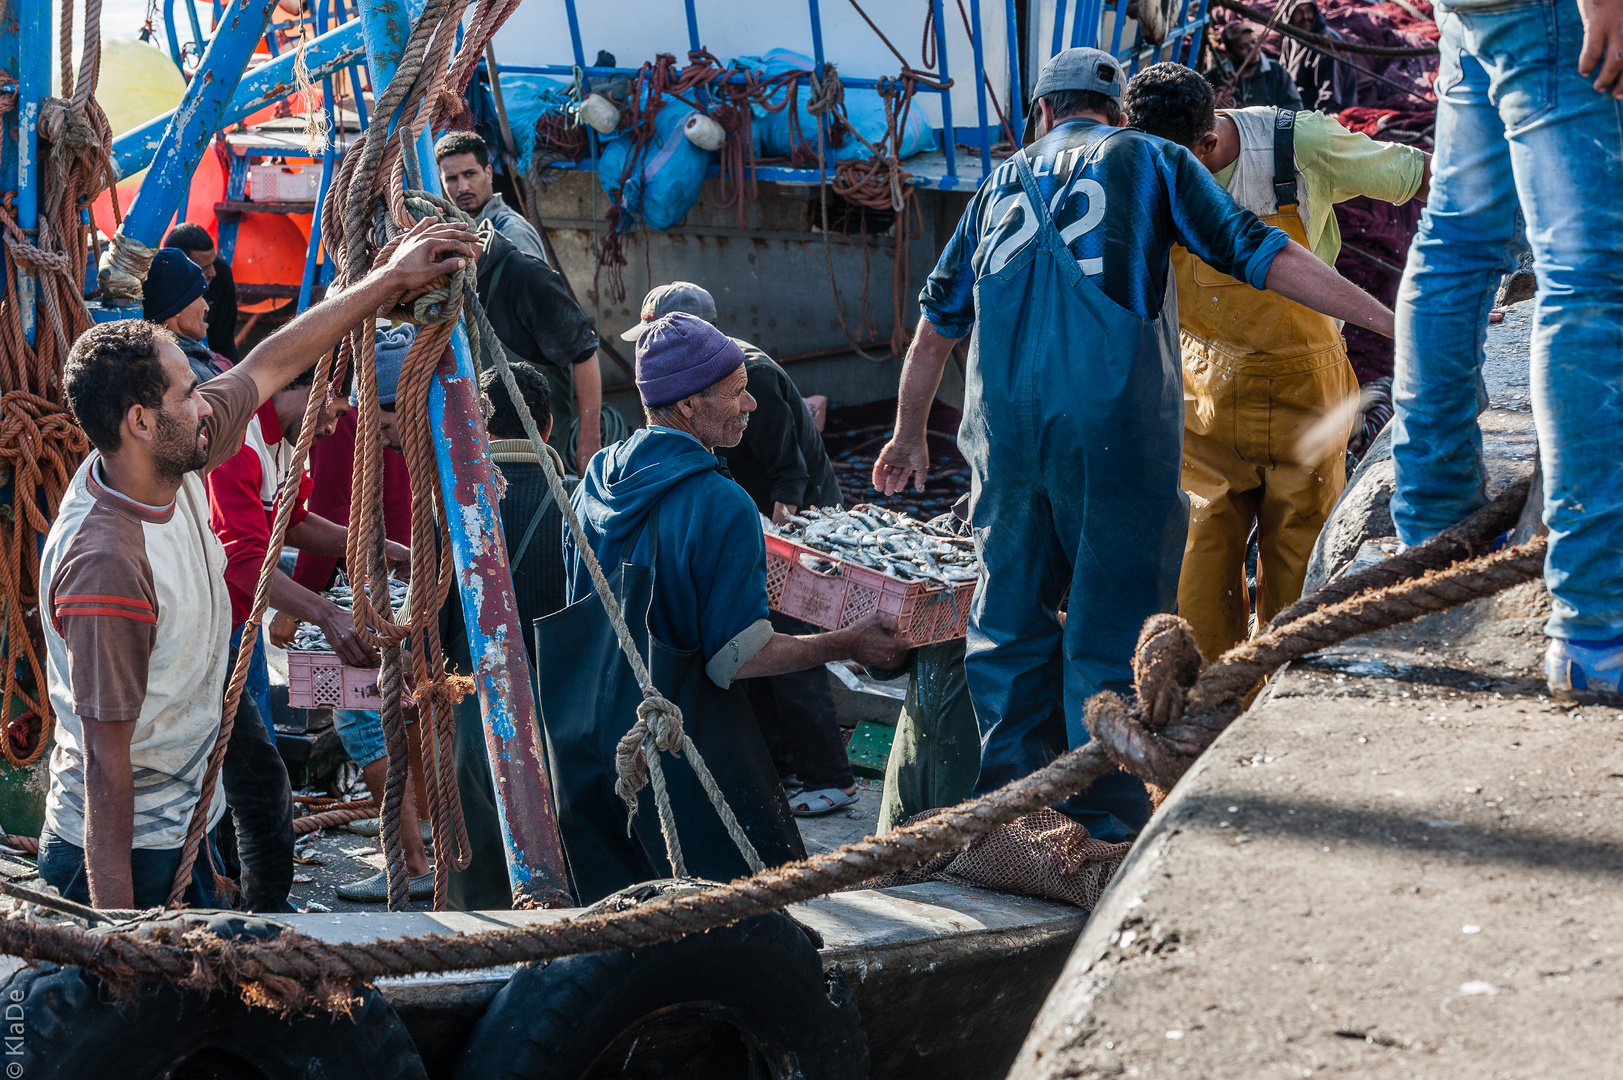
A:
(832, 799)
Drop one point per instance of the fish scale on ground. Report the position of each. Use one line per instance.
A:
(883, 540)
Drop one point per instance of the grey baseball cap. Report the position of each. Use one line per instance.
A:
(677, 296)
(1075, 69)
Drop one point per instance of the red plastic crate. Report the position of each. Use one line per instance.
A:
(319, 680)
(928, 611)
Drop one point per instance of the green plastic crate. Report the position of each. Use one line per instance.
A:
(869, 749)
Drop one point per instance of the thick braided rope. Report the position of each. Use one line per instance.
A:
(295, 972)
(395, 781)
(339, 815)
(1469, 537)
(1177, 715)
(38, 438)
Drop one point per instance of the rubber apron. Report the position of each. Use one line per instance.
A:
(589, 699)
(1280, 336)
(1073, 428)
(1261, 374)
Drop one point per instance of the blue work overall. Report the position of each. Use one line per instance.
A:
(1073, 429)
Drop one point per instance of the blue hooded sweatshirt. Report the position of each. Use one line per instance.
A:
(710, 567)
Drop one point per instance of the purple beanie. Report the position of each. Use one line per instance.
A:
(680, 355)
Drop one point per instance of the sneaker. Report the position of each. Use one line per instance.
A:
(1587, 672)
(375, 889)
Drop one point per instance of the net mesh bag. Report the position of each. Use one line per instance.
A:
(1044, 854)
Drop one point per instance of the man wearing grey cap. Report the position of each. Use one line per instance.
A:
(685, 544)
(1073, 412)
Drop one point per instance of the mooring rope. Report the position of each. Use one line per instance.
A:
(1180, 712)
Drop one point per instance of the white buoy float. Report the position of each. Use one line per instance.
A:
(600, 114)
(704, 132)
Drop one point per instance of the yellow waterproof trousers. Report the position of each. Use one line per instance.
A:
(1267, 416)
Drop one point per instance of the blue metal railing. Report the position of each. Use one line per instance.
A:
(1180, 45)
(1083, 28)
(983, 137)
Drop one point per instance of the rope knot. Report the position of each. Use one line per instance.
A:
(659, 722)
(124, 267)
(1149, 736)
(63, 125)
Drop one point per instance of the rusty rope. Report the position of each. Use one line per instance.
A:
(328, 816)
(416, 85)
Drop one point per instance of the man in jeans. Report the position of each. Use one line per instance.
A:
(1528, 116)
(132, 586)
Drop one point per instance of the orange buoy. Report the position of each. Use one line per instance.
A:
(270, 251)
(207, 188)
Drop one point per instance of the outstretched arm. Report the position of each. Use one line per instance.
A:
(431, 249)
(1297, 274)
(874, 641)
(908, 452)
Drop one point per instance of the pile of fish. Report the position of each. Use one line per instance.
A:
(880, 539)
(310, 638)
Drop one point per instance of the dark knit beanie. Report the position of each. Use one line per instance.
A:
(173, 282)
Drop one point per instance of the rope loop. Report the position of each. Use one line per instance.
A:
(124, 267)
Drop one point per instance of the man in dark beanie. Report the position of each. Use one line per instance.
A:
(172, 297)
(199, 247)
(658, 501)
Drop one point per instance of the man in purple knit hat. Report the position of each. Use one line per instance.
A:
(660, 500)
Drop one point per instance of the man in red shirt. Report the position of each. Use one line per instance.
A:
(242, 511)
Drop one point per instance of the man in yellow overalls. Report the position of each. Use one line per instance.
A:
(1269, 396)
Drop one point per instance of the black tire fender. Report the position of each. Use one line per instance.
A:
(587, 1016)
(72, 1028)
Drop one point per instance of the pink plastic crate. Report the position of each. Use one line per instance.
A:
(319, 680)
(928, 611)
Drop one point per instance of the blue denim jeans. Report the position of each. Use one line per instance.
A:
(152, 872)
(1518, 127)
(257, 688)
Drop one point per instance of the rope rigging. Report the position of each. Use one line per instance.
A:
(362, 232)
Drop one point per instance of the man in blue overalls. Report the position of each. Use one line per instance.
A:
(1073, 407)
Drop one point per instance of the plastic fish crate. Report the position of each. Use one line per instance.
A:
(928, 611)
(319, 680)
(283, 183)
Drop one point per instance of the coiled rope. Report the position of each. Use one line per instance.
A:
(40, 444)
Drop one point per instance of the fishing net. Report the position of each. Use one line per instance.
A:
(1044, 854)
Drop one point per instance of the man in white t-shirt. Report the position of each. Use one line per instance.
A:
(132, 584)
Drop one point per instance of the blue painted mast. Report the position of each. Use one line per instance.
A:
(270, 82)
(517, 753)
(198, 117)
(35, 48)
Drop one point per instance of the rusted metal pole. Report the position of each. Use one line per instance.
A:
(535, 855)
